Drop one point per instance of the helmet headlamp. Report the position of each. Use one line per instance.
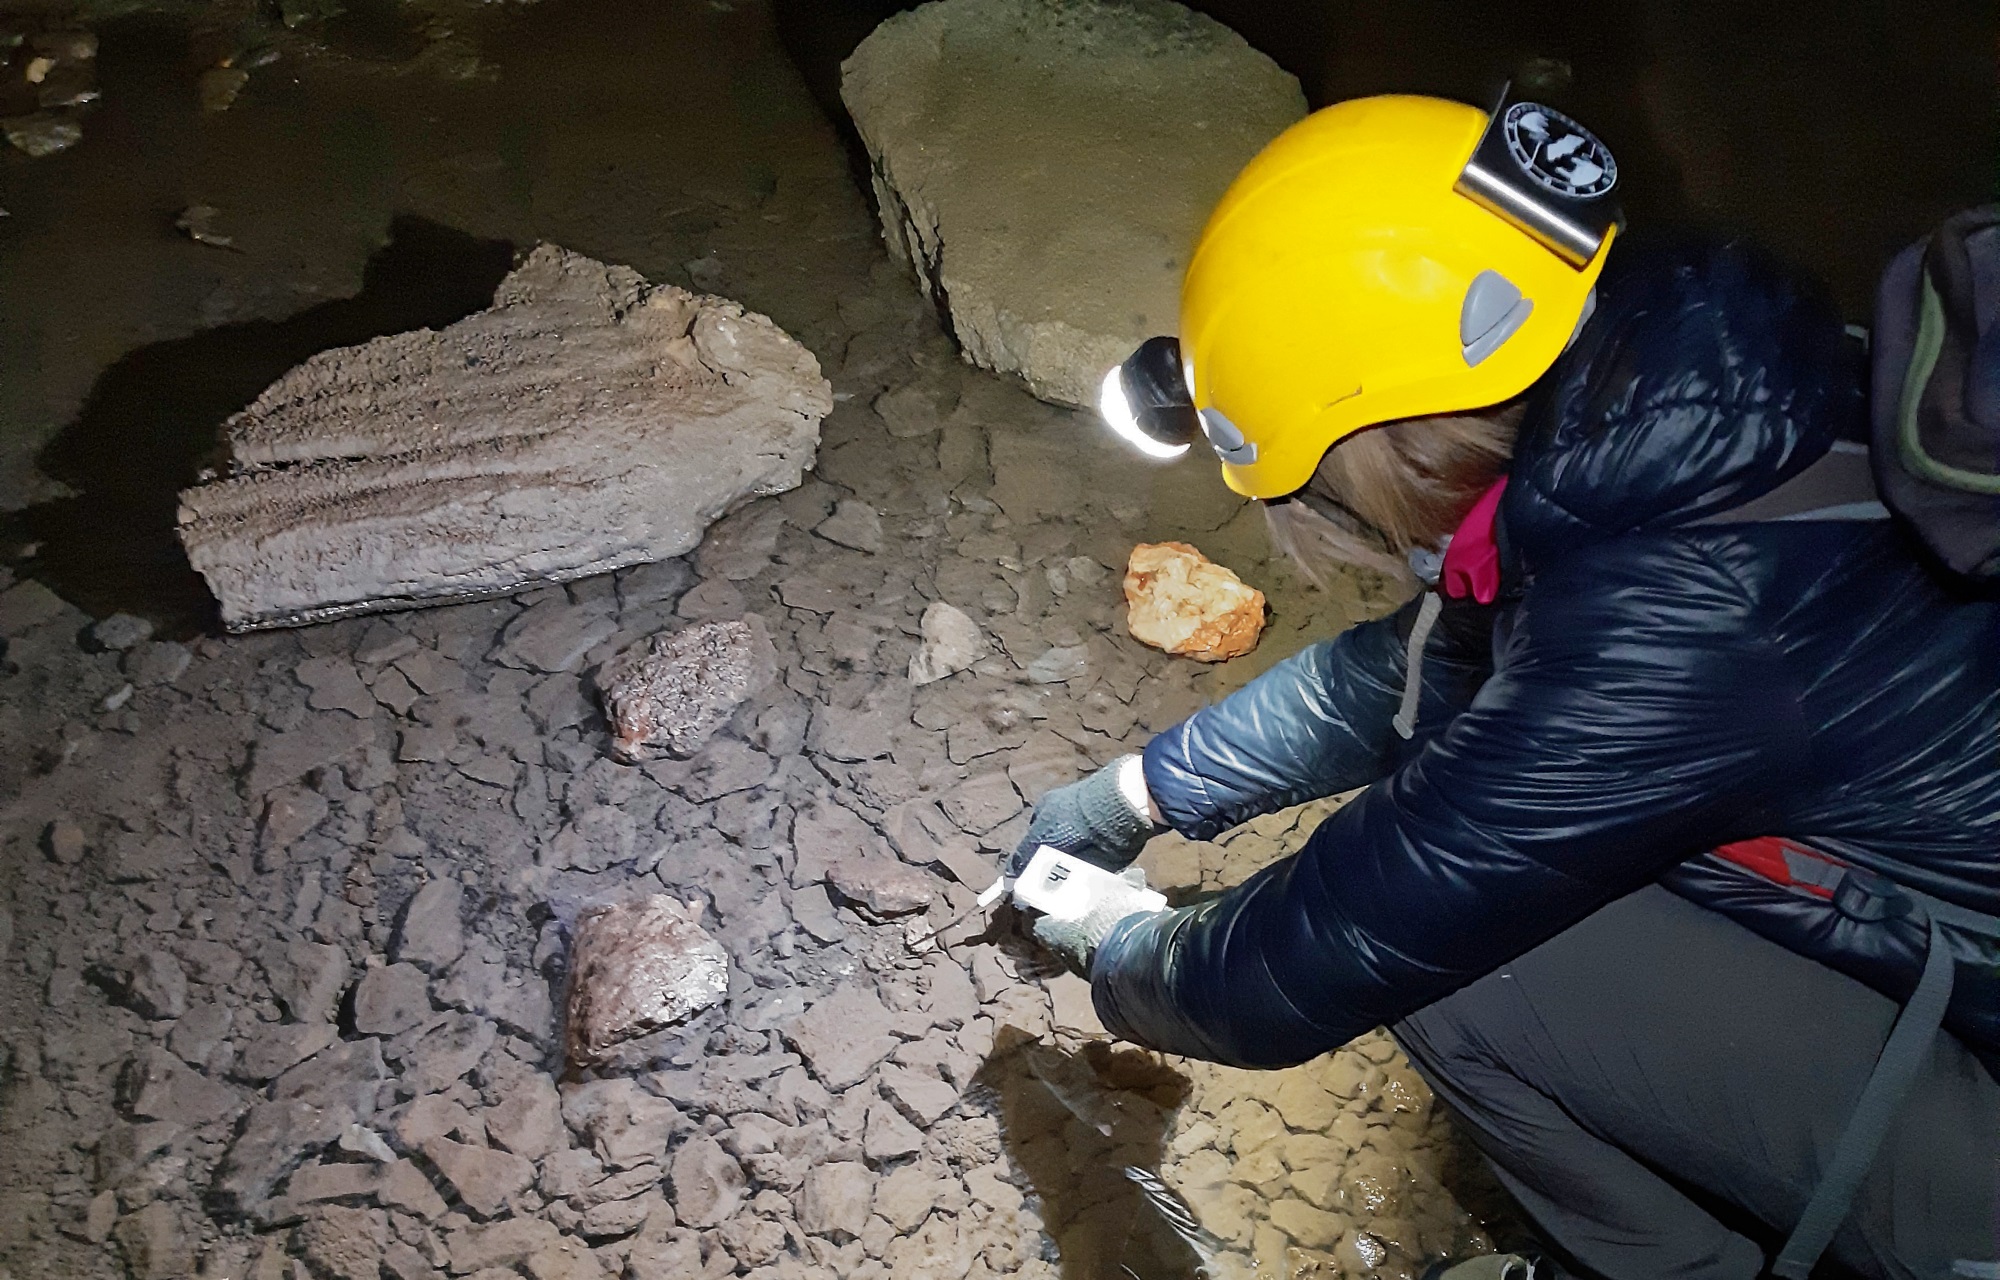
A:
(1545, 174)
(1147, 400)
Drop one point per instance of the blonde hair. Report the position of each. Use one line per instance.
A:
(1381, 493)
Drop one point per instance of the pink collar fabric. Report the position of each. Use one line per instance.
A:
(1472, 561)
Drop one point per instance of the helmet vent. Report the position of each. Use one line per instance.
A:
(1492, 312)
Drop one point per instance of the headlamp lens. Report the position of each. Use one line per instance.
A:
(1147, 401)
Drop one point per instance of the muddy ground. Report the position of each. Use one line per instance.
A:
(233, 1043)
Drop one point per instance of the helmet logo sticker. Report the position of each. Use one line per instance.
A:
(1559, 153)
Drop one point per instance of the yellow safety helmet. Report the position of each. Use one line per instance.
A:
(1384, 258)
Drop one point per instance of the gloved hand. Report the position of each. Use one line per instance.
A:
(1076, 941)
(1099, 819)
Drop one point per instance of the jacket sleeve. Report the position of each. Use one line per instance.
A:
(1316, 724)
(1629, 726)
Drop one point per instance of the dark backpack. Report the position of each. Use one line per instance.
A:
(1936, 396)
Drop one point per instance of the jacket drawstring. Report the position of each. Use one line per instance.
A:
(1413, 664)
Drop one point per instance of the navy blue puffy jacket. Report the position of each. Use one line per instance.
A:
(1644, 691)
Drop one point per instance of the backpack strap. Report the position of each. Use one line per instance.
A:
(1903, 1054)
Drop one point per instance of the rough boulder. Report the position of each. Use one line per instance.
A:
(1045, 166)
(586, 421)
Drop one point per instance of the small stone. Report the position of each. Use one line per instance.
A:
(120, 631)
(485, 1179)
(853, 524)
(1180, 601)
(41, 134)
(154, 1245)
(289, 813)
(336, 686)
(307, 978)
(156, 986)
(1307, 1226)
(161, 1087)
(218, 87)
(627, 1126)
(621, 1217)
(982, 802)
(952, 642)
(907, 1195)
(64, 841)
(1060, 665)
(404, 1186)
(198, 1031)
(554, 635)
(157, 662)
(27, 605)
(635, 969)
(383, 642)
(1304, 1103)
(274, 1050)
(451, 1049)
(843, 1036)
(885, 886)
(392, 1000)
(672, 693)
(924, 1099)
(360, 1140)
(887, 1136)
(528, 1118)
(432, 934)
(742, 545)
(503, 1244)
(435, 1116)
(707, 1182)
(100, 1217)
(344, 1244)
(315, 1182)
(834, 1200)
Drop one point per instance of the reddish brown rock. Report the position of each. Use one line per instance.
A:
(671, 693)
(1181, 601)
(636, 968)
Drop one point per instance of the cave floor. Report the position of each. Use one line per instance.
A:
(213, 842)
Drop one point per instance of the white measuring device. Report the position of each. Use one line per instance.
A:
(1065, 887)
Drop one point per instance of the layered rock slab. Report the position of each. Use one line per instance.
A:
(1045, 166)
(587, 421)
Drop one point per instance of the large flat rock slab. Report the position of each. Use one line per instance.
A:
(586, 421)
(1045, 166)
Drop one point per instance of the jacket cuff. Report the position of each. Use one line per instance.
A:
(1131, 985)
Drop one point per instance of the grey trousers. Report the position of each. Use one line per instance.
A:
(1659, 1088)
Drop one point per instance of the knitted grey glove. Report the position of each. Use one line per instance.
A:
(1090, 819)
(1076, 941)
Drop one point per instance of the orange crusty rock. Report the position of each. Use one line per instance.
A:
(1181, 601)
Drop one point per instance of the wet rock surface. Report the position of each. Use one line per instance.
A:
(636, 969)
(1045, 167)
(587, 421)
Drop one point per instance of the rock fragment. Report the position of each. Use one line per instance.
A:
(1181, 601)
(485, 1179)
(585, 422)
(707, 1182)
(952, 642)
(834, 1200)
(883, 885)
(843, 1036)
(154, 1245)
(391, 1000)
(1045, 167)
(432, 934)
(42, 133)
(673, 692)
(120, 631)
(637, 968)
(853, 524)
(528, 1118)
